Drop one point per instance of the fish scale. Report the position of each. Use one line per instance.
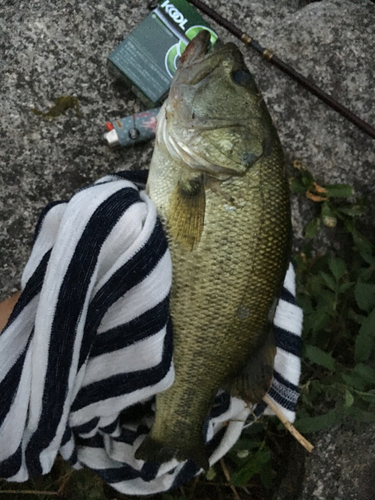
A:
(228, 272)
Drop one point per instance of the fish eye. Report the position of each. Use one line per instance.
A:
(240, 76)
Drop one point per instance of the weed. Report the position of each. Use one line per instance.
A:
(337, 294)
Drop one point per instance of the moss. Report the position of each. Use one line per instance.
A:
(60, 106)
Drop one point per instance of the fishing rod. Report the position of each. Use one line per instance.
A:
(276, 61)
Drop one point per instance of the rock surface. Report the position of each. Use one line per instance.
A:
(56, 48)
(342, 466)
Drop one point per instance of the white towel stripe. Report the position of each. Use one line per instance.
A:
(91, 337)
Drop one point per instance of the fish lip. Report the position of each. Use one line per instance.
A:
(199, 48)
(200, 60)
(196, 49)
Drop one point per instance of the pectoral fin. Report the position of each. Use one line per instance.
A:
(255, 380)
(186, 211)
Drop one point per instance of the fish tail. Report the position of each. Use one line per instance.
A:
(152, 450)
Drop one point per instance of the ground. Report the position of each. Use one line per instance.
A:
(50, 49)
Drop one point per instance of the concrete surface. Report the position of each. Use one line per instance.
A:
(56, 48)
(342, 466)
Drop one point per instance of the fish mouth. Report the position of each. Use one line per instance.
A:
(181, 126)
(197, 48)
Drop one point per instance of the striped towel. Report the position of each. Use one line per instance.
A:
(89, 344)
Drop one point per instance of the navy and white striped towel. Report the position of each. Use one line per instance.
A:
(89, 344)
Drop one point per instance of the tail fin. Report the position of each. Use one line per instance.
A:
(155, 451)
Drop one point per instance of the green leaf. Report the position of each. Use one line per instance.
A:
(361, 415)
(345, 287)
(369, 258)
(327, 215)
(314, 424)
(242, 476)
(318, 320)
(365, 295)
(327, 301)
(366, 274)
(353, 210)
(364, 343)
(353, 315)
(340, 190)
(246, 444)
(251, 467)
(354, 380)
(316, 283)
(329, 281)
(296, 186)
(266, 474)
(337, 267)
(319, 357)
(366, 372)
(312, 228)
(363, 245)
(369, 397)
(306, 178)
(349, 399)
(210, 474)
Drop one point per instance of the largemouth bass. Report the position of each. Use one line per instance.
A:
(218, 180)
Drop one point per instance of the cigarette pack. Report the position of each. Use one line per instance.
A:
(147, 59)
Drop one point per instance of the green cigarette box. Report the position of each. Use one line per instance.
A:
(147, 59)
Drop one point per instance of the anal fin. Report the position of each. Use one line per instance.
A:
(256, 378)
